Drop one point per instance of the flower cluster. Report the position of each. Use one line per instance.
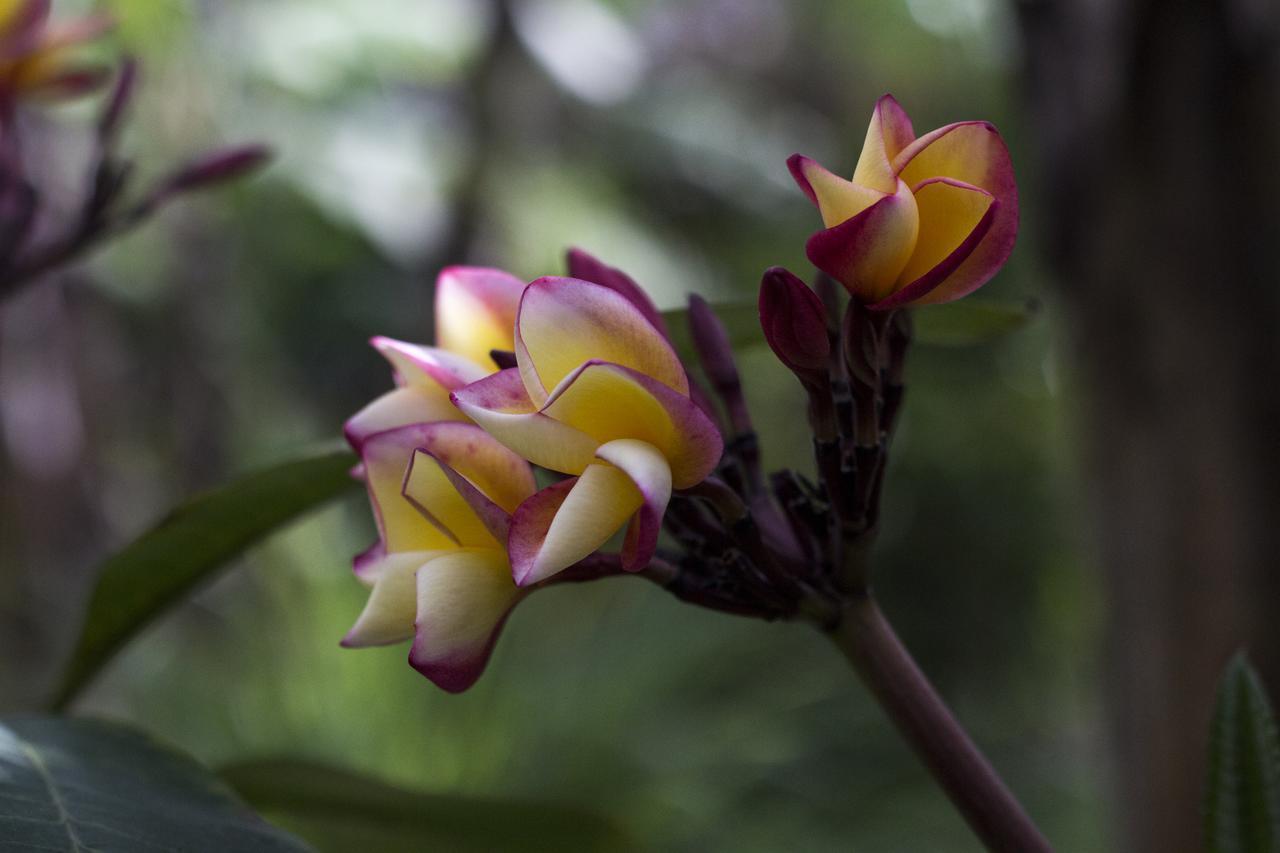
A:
(38, 56)
(577, 376)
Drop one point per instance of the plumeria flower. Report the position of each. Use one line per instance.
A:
(923, 220)
(443, 494)
(475, 312)
(38, 56)
(599, 394)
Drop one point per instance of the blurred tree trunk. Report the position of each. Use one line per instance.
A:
(1156, 125)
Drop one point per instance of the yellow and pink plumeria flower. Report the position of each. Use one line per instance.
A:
(599, 394)
(38, 56)
(924, 220)
(442, 494)
(475, 310)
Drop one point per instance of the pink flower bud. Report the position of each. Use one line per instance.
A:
(794, 323)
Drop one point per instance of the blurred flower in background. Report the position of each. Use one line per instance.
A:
(38, 53)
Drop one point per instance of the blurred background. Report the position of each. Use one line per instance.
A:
(1079, 516)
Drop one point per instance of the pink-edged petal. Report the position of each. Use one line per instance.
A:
(837, 199)
(974, 153)
(563, 322)
(650, 473)
(585, 266)
(429, 367)
(21, 24)
(868, 252)
(368, 563)
(401, 407)
(954, 220)
(895, 126)
(500, 404)
(557, 527)
(401, 527)
(463, 599)
(476, 311)
(886, 137)
(389, 613)
(458, 472)
(610, 401)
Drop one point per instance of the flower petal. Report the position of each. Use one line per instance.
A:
(401, 407)
(887, 134)
(552, 531)
(837, 199)
(564, 322)
(649, 471)
(587, 267)
(429, 367)
(974, 153)
(463, 600)
(609, 401)
(389, 613)
(386, 456)
(453, 454)
(868, 252)
(476, 311)
(954, 219)
(501, 405)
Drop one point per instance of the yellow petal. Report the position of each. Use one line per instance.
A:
(476, 311)
(949, 211)
(389, 613)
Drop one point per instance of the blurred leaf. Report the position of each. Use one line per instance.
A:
(340, 811)
(188, 546)
(970, 321)
(1242, 812)
(963, 323)
(88, 785)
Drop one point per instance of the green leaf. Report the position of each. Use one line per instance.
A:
(1242, 809)
(964, 323)
(87, 786)
(340, 811)
(189, 546)
(970, 321)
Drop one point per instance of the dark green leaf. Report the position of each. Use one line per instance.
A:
(86, 786)
(1242, 809)
(963, 323)
(344, 812)
(970, 321)
(188, 546)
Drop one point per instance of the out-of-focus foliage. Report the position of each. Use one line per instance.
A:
(90, 785)
(191, 543)
(339, 811)
(410, 134)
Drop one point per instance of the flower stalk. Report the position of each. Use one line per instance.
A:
(867, 639)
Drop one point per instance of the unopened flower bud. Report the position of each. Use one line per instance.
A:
(795, 326)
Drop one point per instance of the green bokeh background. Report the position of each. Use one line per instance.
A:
(231, 332)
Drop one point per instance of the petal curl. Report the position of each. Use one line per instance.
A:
(476, 311)
(563, 322)
(386, 456)
(389, 613)
(954, 219)
(501, 405)
(868, 252)
(463, 599)
(585, 266)
(456, 470)
(401, 407)
(557, 527)
(837, 200)
(649, 471)
(429, 367)
(610, 401)
(887, 134)
(974, 153)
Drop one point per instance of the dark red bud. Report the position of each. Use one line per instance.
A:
(218, 167)
(121, 96)
(794, 322)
